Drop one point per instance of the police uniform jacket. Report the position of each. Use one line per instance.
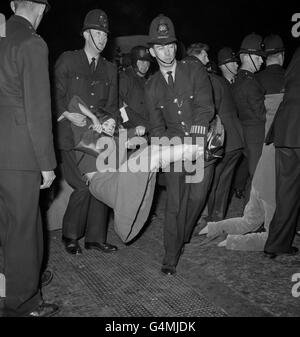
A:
(26, 141)
(286, 125)
(132, 93)
(226, 109)
(184, 110)
(249, 97)
(74, 77)
(272, 79)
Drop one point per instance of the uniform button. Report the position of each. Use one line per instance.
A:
(77, 78)
(91, 106)
(182, 123)
(179, 112)
(92, 93)
(186, 133)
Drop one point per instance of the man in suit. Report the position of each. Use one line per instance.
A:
(179, 100)
(249, 98)
(26, 151)
(284, 132)
(87, 74)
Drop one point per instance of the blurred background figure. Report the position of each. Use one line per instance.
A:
(132, 104)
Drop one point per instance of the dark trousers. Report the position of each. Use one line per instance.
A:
(241, 174)
(287, 215)
(219, 194)
(22, 240)
(85, 215)
(184, 204)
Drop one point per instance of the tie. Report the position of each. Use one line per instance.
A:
(93, 65)
(170, 79)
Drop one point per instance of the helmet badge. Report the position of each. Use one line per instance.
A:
(163, 29)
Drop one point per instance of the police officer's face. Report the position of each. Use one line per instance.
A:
(258, 61)
(143, 66)
(98, 38)
(203, 57)
(165, 53)
(233, 67)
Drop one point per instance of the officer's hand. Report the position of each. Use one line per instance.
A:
(76, 118)
(140, 130)
(48, 178)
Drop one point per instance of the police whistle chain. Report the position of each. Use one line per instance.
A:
(2, 25)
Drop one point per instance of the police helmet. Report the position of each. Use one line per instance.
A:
(96, 19)
(226, 55)
(273, 44)
(139, 53)
(161, 31)
(252, 44)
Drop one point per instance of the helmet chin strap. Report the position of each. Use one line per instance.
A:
(168, 63)
(229, 70)
(94, 42)
(253, 62)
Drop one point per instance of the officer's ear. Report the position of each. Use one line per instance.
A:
(85, 35)
(13, 6)
(152, 53)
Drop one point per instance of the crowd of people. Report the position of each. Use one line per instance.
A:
(106, 120)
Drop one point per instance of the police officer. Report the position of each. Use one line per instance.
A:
(226, 109)
(131, 91)
(228, 64)
(27, 152)
(272, 77)
(179, 100)
(87, 74)
(249, 98)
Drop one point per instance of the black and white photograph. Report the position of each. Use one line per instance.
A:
(149, 162)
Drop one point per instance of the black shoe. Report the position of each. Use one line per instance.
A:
(103, 247)
(46, 278)
(72, 246)
(292, 251)
(168, 270)
(45, 310)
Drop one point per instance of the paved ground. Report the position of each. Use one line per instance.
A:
(210, 282)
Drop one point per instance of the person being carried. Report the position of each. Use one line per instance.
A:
(125, 182)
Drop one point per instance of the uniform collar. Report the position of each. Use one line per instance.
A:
(245, 72)
(89, 57)
(173, 69)
(23, 21)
